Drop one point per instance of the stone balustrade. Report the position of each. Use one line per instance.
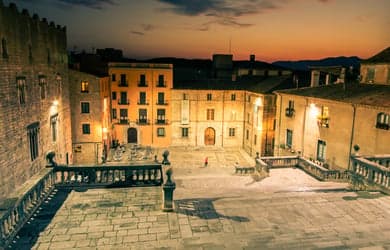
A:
(306, 165)
(368, 172)
(19, 213)
(108, 176)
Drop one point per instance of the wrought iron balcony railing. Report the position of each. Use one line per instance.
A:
(123, 102)
(123, 84)
(290, 112)
(162, 84)
(161, 121)
(143, 121)
(142, 84)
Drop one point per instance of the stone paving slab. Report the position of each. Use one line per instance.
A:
(216, 209)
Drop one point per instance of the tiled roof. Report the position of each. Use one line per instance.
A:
(367, 94)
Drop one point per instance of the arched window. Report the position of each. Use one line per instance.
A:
(382, 121)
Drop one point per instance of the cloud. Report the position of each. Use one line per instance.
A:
(138, 33)
(93, 4)
(222, 12)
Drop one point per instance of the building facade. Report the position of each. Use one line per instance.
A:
(328, 123)
(140, 103)
(376, 69)
(90, 113)
(34, 102)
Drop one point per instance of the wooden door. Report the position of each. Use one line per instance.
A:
(209, 136)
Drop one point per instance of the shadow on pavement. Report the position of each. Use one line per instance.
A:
(364, 195)
(204, 209)
(30, 232)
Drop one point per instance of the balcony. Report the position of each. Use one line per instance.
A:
(323, 121)
(142, 84)
(162, 84)
(123, 84)
(290, 112)
(123, 120)
(161, 122)
(143, 122)
(142, 102)
(384, 126)
(161, 102)
(123, 102)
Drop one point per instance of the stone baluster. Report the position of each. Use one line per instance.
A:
(168, 188)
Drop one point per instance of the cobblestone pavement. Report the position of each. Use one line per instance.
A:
(216, 209)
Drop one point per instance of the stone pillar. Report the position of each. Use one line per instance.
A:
(168, 188)
(165, 160)
(327, 79)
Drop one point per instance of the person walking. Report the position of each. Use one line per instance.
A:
(206, 161)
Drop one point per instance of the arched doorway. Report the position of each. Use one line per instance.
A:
(132, 135)
(209, 136)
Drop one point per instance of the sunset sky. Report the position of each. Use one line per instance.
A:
(270, 29)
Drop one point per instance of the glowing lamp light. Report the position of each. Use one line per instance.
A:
(55, 103)
(104, 130)
(313, 110)
(258, 102)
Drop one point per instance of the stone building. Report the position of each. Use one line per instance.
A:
(90, 116)
(377, 68)
(140, 103)
(325, 123)
(34, 97)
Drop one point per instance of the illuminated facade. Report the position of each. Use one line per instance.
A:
(140, 103)
(326, 123)
(89, 109)
(34, 110)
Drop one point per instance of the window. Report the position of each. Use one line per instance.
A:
(123, 99)
(160, 98)
(42, 84)
(247, 134)
(323, 118)
(185, 96)
(142, 81)
(84, 107)
(123, 116)
(142, 98)
(232, 132)
(161, 82)
(248, 117)
(142, 116)
(84, 87)
(184, 132)
(30, 55)
(114, 114)
(113, 95)
(123, 81)
(255, 140)
(48, 57)
(86, 129)
(21, 85)
(233, 97)
(33, 139)
(248, 98)
(370, 75)
(321, 150)
(289, 135)
(209, 97)
(4, 48)
(290, 109)
(210, 114)
(53, 125)
(161, 116)
(113, 77)
(382, 121)
(160, 132)
(59, 83)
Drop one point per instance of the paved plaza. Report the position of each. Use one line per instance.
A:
(214, 209)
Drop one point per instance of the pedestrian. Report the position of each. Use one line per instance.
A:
(206, 161)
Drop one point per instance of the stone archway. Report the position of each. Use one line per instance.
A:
(209, 136)
(132, 135)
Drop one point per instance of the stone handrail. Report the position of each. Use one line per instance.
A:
(108, 176)
(279, 161)
(18, 214)
(383, 160)
(371, 172)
